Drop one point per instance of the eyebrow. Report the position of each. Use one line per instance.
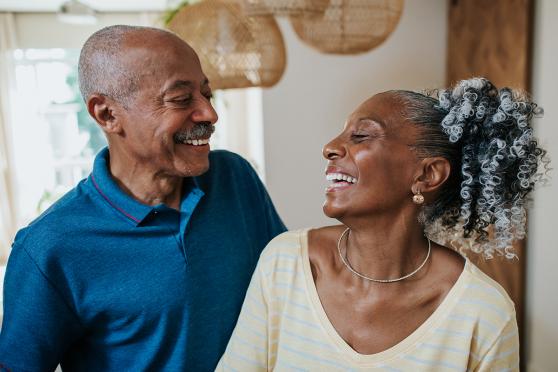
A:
(180, 84)
(373, 119)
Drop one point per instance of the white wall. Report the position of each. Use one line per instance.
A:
(316, 94)
(542, 273)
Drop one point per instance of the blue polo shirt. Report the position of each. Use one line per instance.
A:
(101, 282)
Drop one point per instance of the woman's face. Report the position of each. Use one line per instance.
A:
(371, 165)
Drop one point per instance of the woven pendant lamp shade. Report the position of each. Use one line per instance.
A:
(285, 7)
(235, 51)
(349, 26)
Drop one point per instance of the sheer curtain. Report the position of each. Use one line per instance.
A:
(7, 197)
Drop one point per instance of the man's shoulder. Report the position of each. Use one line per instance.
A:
(57, 222)
(219, 158)
(227, 168)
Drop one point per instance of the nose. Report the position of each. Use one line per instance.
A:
(334, 149)
(204, 112)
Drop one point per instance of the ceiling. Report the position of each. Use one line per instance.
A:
(98, 5)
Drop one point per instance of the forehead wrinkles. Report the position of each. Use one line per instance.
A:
(391, 111)
(368, 115)
(152, 69)
(157, 51)
(397, 131)
(404, 128)
(138, 61)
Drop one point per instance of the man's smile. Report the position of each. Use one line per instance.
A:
(195, 142)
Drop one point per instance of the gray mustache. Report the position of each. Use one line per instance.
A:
(198, 131)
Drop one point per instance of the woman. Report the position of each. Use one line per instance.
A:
(378, 293)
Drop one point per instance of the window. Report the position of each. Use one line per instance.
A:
(54, 138)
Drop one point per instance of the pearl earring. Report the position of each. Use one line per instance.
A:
(418, 198)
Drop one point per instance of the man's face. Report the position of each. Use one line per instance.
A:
(168, 121)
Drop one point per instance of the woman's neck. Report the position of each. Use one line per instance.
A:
(383, 249)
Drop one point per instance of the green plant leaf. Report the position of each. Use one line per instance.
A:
(170, 13)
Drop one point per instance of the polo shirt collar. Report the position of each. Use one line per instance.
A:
(132, 209)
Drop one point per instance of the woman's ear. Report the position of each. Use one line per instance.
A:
(103, 110)
(432, 174)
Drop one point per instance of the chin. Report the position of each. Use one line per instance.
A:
(331, 211)
(192, 170)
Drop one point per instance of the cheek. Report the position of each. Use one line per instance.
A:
(373, 165)
(170, 124)
(385, 174)
(166, 140)
(163, 134)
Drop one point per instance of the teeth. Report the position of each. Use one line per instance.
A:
(340, 177)
(199, 142)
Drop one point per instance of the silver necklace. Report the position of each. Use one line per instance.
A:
(345, 261)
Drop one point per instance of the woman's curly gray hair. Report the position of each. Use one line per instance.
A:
(486, 134)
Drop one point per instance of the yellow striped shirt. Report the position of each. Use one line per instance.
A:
(283, 326)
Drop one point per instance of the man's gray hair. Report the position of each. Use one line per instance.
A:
(100, 68)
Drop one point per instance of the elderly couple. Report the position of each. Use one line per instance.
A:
(155, 262)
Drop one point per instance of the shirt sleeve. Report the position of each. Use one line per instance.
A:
(503, 355)
(248, 347)
(38, 325)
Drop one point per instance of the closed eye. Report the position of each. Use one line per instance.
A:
(359, 137)
(182, 100)
(188, 100)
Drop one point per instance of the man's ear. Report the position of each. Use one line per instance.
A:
(432, 174)
(104, 110)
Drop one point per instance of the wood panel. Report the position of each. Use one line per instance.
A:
(511, 275)
(490, 38)
(493, 38)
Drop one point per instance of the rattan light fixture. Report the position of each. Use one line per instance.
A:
(236, 51)
(285, 7)
(349, 26)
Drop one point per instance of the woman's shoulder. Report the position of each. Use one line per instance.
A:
(474, 287)
(282, 266)
(483, 310)
(295, 240)
(288, 241)
(486, 292)
(284, 249)
(483, 305)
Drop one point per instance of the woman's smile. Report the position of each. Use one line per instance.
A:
(339, 180)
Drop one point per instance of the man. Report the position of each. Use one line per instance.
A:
(145, 264)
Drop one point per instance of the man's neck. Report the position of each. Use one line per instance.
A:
(147, 186)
